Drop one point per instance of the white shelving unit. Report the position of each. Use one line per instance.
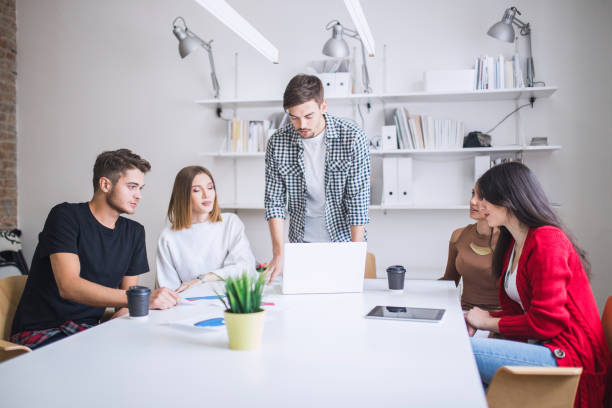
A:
(462, 96)
(472, 151)
(440, 155)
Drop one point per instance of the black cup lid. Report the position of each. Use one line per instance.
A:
(139, 290)
(396, 269)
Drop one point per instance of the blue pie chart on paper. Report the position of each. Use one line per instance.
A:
(214, 322)
(212, 297)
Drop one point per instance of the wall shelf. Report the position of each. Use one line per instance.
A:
(471, 151)
(461, 96)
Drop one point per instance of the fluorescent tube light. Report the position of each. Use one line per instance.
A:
(230, 17)
(361, 24)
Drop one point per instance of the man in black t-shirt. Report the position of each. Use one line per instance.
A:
(87, 257)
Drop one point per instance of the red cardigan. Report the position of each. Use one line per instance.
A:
(560, 309)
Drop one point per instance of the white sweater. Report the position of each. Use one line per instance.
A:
(220, 247)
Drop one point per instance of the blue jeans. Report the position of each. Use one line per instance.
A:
(491, 354)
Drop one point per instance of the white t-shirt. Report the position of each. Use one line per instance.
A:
(219, 247)
(315, 229)
(510, 281)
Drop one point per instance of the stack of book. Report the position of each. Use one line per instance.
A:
(247, 136)
(498, 72)
(415, 132)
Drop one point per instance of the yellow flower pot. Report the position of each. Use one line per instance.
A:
(244, 329)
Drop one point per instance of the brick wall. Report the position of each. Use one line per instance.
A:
(8, 133)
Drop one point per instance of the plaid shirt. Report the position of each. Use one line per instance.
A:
(33, 338)
(347, 179)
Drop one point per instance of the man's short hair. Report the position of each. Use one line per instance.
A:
(301, 89)
(112, 164)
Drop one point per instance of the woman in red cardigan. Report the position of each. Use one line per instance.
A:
(549, 316)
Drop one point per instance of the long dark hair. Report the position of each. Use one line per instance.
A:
(515, 187)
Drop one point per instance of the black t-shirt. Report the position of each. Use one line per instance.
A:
(105, 255)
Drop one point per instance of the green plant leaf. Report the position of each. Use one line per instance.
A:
(221, 299)
(244, 293)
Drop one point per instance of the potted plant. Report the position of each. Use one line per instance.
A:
(244, 316)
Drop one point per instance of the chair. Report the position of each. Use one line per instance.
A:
(606, 321)
(12, 261)
(533, 387)
(370, 266)
(11, 289)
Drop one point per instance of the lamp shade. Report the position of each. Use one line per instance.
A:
(187, 43)
(502, 31)
(336, 46)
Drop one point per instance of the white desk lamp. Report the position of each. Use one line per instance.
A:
(188, 41)
(503, 30)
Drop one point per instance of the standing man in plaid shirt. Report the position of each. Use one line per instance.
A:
(318, 167)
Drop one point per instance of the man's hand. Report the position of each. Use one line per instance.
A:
(357, 233)
(275, 268)
(277, 233)
(120, 312)
(186, 285)
(163, 298)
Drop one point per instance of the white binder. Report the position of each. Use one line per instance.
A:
(389, 138)
(404, 180)
(389, 195)
(481, 165)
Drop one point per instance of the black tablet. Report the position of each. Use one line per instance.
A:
(406, 313)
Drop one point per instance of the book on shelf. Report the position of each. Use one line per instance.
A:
(416, 132)
(247, 136)
(498, 72)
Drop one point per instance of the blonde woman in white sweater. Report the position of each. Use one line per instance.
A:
(201, 244)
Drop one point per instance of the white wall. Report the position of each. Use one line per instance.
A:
(102, 75)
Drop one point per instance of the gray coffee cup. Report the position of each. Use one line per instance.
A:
(396, 275)
(138, 301)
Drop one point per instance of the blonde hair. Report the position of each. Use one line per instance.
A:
(179, 209)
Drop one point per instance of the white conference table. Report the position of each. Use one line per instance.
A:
(317, 351)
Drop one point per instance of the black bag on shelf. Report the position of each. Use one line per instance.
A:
(477, 139)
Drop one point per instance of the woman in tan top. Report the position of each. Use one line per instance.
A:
(470, 255)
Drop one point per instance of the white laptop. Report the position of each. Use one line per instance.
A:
(324, 267)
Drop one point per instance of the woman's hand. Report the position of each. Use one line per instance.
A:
(470, 329)
(481, 319)
(186, 285)
(209, 277)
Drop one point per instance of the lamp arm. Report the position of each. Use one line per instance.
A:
(350, 33)
(213, 72)
(526, 31)
(364, 69)
(524, 27)
(365, 75)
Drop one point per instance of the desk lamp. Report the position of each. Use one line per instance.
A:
(503, 30)
(337, 47)
(188, 41)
